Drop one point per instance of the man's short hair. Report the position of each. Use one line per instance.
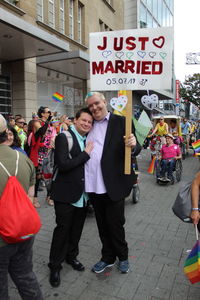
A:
(82, 110)
(90, 94)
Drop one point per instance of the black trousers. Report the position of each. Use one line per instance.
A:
(67, 233)
(110, 222)
(16, 259)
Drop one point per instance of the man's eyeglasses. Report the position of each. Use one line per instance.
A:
(20, 122)
(47, 112)
(161, 119)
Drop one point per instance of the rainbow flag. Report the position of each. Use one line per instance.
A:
(192, 264)
(152, 165)
(57, 97)
(196, 146)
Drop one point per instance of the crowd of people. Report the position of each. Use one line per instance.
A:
(88, 167)
(36, 139)
(175, 136)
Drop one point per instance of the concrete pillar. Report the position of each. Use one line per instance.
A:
(24, 87)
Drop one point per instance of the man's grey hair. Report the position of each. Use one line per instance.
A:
(90, 94)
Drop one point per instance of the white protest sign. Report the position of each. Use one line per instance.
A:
(131, 59)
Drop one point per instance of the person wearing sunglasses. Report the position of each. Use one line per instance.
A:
(37, 129)
(161, 129)
(19, 124)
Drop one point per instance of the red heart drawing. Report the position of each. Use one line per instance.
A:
(159, 42)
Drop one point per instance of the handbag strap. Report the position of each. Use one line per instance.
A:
(17, 164)
(197, 233)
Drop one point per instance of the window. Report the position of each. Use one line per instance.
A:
(149, 20)
(40, 10)
(51, 13)
(149, 4)
(171, 5)
(5, 96)
(155, 8)
(62, 17)
(170, 20)
(164, 15)
(14, 2)
(155, 24)
(80, 9)
(110, 2)
(103, 26)
(159, 12)
(71, 19)
(143, 16)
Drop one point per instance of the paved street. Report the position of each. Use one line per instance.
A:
(158, 244)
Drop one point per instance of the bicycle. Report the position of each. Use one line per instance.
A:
(184, 146)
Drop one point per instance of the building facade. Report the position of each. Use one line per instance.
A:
(44, 49)
(151, 14)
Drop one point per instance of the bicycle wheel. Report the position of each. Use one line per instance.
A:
(157, 168)
(135, 193)
(183, 150)
(178, 169)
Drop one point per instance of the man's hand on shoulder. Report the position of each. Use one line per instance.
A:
(130, 141)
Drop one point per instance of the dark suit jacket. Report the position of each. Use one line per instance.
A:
(117, 184)
(69, 183)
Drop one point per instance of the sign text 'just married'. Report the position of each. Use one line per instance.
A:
(131, 59)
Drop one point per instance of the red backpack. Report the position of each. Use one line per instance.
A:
(19, 219)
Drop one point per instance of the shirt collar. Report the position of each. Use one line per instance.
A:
(107, 117)
(83, 138)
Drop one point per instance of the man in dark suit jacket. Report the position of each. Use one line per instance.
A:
(70, 200)
(106, 182)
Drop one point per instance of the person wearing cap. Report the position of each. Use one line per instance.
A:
(169, 153)
(16, 259)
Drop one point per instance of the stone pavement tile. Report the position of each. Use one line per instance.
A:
(154, 269)
(165, 260)
(102, 296)
(88, 295)
(141, 266)
(130, 287)
(110, 275)
(165, 282)
(170, 271)
(179, 291)
(99, 285)
(158, 293)
(139, 296)
(42, 274)
(165, 245)
(13, 292)
(176, 252)
(78, 287)
(147, 286)
(194, 292)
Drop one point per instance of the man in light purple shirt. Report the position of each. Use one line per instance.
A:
(106, 182)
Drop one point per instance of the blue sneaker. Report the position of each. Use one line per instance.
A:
(123, 266)
(100, 266)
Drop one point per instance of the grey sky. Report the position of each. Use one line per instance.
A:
(186, 35)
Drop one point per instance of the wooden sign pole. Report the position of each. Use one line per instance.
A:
(127, 168)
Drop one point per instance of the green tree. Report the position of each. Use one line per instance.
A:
(190, 89)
